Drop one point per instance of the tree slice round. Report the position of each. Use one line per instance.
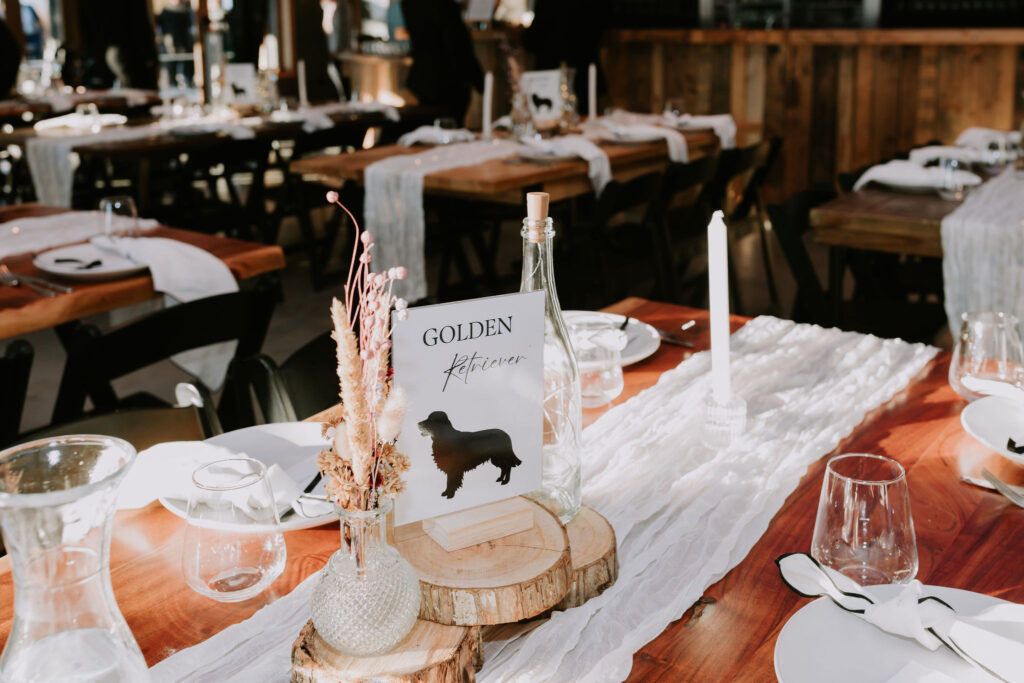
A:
(595, 557)
(431, 653)
(497, 582)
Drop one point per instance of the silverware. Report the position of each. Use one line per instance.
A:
(305, 494)
(674, 340)
(7, 277)
(62, 289)
(11, 280)
(625, 323)
(1012, 494)
(687, 325)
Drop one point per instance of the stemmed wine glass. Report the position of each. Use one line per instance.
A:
(119, 217)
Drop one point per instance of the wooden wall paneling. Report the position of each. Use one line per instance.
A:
(927, 100)
(799, 83)
(775, 117)
(657, 102)
(720, 93)
(951, 87)
(752, 129)
(704, 76)
(885, 96)
(1018, 88)
(678, 80)
(824, 100)
(910, 69)
(738, 88)
(863, 149)
(846, 100)
(1006, 92)
(974, 105)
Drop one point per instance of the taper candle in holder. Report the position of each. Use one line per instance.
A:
(300, 75)
(488, 104)
(592, 91)
(725, 413)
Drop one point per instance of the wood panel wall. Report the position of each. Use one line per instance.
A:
(839, 99)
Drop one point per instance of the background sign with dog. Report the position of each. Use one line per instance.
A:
(473, 373)
(544, 92)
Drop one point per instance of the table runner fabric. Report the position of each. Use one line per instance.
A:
(983, 250)
(39, 233)
(393, 205)
(599, 166)
(683, 515)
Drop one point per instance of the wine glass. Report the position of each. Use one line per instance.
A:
(675, 107)
(989, 346)
(953, 186)
(864, 529)
(233, 546)
(119, 217)
(445, 124)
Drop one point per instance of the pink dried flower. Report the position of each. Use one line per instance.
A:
(366, 237)
(365, 257)
(401, 304)
(400, 272)
(332, 197)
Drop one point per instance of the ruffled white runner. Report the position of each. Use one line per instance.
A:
(983, 250)
(393, 205)
(683, 515)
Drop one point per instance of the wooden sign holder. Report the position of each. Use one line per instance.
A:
(478, 525)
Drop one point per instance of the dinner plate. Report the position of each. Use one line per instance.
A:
(821, 642)
(643, 339)
(112, 266)
(292, 446)
(629, 138)
(992, 420)
(530, 154)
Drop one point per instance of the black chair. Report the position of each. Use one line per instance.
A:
(886, 316)
(96, 359)
(15, 365)
(303, 385)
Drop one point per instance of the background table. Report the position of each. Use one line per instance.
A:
(967, 538)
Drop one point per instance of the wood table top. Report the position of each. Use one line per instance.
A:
(967, 538)
(498, 180)
(23, 311)
(883, 220)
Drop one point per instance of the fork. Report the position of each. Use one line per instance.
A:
(1004, 488)
(11, 280)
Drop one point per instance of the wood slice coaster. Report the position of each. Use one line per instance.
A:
(595, 557)
(431, 653)
(497, 582)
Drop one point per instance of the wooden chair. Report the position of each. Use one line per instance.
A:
(95, 358)
(15, 365)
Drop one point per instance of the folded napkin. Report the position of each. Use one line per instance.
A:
(432, 135)
(910, 174)
(184, 273)
(723, 125)
(31, 235)
(624, 125)
(967, 155)
(237, 129)
(987, 138)
(80, 122)
(600, 170)
(981, 640)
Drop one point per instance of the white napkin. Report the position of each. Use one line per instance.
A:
(432, 135)
(980, 640)
(600, 170)
(80, 122)
(502, 122)
(967, 155)
(31, 235)
(238, 130)
(625, 124)
(184, 273)
(723, 125)
(909, 174)
(984, 138)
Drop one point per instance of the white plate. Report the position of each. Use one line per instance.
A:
(821, 642)
(628, 138)
(992, 420)
(292, 446)
(530, 154)
(112, 267)
(643, 338)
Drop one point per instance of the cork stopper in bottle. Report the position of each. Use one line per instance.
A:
(536, 214)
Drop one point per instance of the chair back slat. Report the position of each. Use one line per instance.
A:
(15, 367)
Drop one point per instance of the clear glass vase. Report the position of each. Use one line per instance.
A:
(368, 597)
(563, 412)
(57, 500)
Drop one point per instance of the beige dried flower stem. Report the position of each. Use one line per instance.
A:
(353, 400)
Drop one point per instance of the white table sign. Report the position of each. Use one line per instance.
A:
(544, 92)
(240, 83)
(473, 373)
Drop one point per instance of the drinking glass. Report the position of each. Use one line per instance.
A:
(675, 106)
(989, 346)
(234, 548)
(445, 124)
(598, 344)
(89, 117)
(864, 529)
(953, 187)
(119, 217)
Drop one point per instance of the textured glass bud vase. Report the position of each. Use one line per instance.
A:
(368, 597)
(563, 410)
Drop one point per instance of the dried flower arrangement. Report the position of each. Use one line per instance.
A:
(362, 464)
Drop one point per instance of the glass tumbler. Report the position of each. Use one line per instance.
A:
(119, 217)
(989, 347)
(864, 529)
(233, 546)
(953, 187)
(598, 344)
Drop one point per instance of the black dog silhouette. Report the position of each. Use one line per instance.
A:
(456, 453)
(539, 102)
(238, 91)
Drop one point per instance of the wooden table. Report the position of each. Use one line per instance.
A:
(23, 311)
(967, 538)
(502, 182)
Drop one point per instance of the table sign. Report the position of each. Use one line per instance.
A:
(472, 372)
(240, 83)
(544, 93)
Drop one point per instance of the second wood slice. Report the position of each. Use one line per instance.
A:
(595, 557)
(497, 582)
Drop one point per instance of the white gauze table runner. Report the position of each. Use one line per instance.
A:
(983, 250)
(393, 205)
(683, 515)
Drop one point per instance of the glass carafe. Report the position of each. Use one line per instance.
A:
(560, 490)
(57, 500)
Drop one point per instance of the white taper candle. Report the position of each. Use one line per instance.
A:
(592, 90)
(718, 284)
(301, 75)
(488, 100)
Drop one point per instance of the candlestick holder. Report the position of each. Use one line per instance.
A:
(724, 421)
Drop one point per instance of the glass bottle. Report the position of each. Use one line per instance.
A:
(561, 487)
(57, 499)
(368, 597)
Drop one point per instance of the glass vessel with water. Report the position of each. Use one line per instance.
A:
(561, 487)
(57, 500)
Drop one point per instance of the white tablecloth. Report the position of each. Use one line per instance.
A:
(683, 515)
(983, 250)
